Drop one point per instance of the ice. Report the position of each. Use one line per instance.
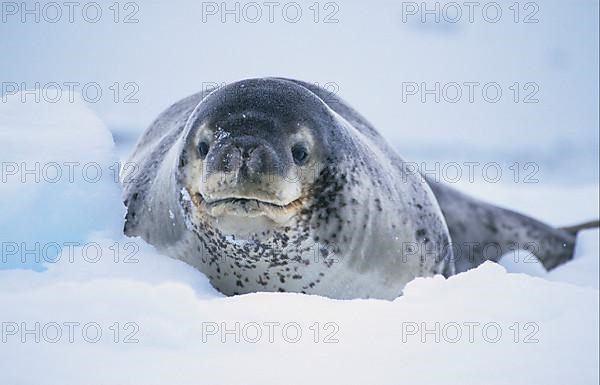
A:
(59, 177)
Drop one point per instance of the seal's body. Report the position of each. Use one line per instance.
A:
(277, 185)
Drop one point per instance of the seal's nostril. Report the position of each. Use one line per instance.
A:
(230, 159)
(255, 161)
(246, 152)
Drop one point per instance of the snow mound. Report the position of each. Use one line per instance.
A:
(158, 321)
(58, 174)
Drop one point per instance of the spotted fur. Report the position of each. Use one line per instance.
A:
(363, 227)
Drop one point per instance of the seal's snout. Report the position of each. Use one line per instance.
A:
(247, 156)
(245, 174)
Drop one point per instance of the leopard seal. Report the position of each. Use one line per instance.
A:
(275, 184)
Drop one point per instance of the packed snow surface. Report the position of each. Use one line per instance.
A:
(104, 309)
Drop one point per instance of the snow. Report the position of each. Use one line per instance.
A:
(58, 162)
(162, 323)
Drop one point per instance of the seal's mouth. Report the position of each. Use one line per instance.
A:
(246, 202)
(249, 207)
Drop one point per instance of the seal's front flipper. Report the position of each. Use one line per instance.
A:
(481, 231)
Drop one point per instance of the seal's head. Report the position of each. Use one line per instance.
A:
(252, 152)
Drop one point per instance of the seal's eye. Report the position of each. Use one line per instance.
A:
(203, 149)
(299, 153)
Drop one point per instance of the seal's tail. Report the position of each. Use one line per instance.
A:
(582, 226)
(481, 231)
